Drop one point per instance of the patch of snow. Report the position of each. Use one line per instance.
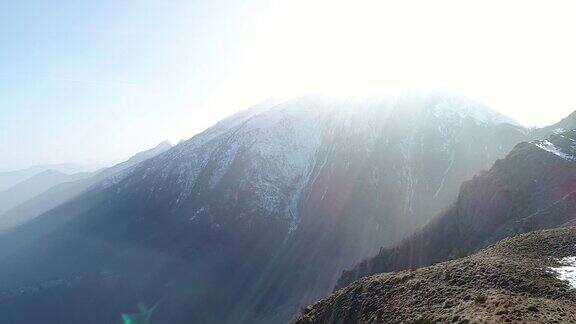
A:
(558, 130)
(549, 147)
(567, 272)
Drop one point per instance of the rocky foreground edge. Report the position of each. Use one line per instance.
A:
(519, 279)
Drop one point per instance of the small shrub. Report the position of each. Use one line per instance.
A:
(480, 299)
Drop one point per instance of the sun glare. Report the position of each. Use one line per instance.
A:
(484, 50)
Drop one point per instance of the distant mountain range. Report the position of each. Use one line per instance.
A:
(50, 188)
(35, 185)
(9, 179)
(258, 216)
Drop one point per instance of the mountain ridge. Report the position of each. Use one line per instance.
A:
(518, 279)
(275, 192)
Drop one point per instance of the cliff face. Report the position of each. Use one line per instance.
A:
(532, 188)
(526, 278)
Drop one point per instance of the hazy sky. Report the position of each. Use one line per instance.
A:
(100, 80)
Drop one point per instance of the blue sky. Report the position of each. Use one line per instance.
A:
(101, 80)
(95, 80)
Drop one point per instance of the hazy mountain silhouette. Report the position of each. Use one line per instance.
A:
(12, 178)
(49, 189)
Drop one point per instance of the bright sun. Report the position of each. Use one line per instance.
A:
(484, 49)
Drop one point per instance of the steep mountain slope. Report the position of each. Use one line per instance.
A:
(534, 187)
(524, 279)
(35, 185)
(51, 194)
(242, 216)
